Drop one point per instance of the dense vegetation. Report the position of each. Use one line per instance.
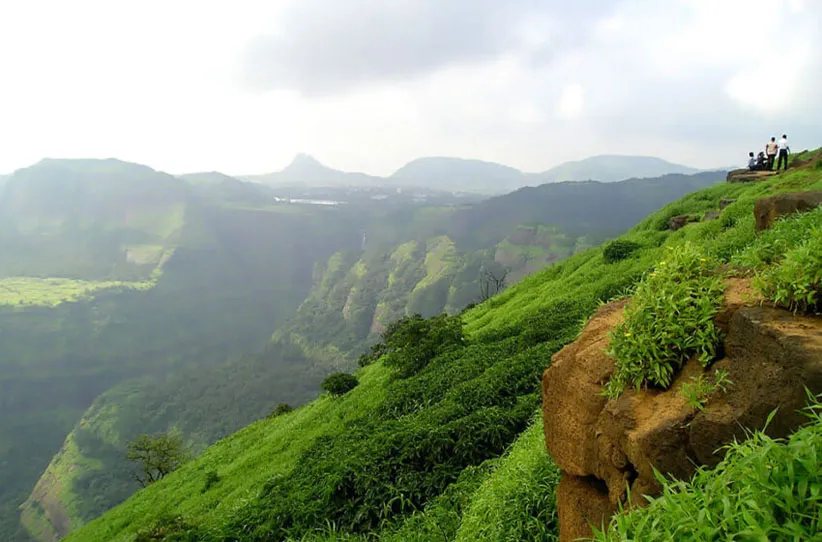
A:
(443, 445)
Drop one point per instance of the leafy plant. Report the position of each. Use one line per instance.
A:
(699, 389)
(339, 383)
(669, 319)
(619, 250)
(796, 282)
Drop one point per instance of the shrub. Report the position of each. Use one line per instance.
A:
(211, 479)
(280, 409)
(409, 344)
(619, 250)
(340, 383)
(796, 282)
(669, 319)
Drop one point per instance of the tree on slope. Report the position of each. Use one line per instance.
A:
(156, 456)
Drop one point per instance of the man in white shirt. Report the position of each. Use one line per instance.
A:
(784, 150)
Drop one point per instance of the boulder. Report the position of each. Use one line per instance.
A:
(710, 215)
(725, 202)
(604, 446)
(679, 221)
(748, 176)
(767, 210)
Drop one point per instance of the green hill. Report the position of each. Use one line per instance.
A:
(441, 439)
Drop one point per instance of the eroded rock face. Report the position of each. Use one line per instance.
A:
(767, 210)
(605, 446)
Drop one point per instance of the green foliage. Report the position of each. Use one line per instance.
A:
(339, 383)
(156, 456)
(764, 489)
(786, 234)
(669, 319)
(796, 282)
(699, 389)
(280, 409)
(517, 501)
(409, 344)
(170, 529)
(619, 250)
(211, 479)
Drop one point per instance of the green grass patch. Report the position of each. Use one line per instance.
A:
(50, 292)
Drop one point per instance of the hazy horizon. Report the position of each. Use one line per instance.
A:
(367, 86)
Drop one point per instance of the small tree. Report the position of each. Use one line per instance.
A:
(156, 456)
(492, 282)
(340, 383)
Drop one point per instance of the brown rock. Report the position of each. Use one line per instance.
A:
(772, 356)
(748, 176)
(582, 502)
(679, 221)
(570, 393)
(725, 202)
(710, 215)
(605, 446)
(767, 210)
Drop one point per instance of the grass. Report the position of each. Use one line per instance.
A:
(50, 292)
(454, 452)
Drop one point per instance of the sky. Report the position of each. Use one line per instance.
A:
(368, 85)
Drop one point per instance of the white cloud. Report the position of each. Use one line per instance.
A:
(572, 101)
(161, 83)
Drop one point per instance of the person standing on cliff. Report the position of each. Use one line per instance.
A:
(784, 151)
(770, 149)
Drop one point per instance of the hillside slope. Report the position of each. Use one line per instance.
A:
(138, 280)
(418, 452)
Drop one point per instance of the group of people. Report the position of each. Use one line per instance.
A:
(764, 160)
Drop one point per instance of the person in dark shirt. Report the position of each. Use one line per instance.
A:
(751, 161)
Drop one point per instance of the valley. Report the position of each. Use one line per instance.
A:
(135, 301)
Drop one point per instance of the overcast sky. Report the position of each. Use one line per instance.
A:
(367, 85)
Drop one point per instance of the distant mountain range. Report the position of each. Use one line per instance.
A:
(464, 175)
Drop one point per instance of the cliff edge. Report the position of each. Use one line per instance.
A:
(608, 449)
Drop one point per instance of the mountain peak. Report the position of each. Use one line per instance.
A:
(303, 161)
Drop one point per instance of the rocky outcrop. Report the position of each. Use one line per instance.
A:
(680, 221)
(606, 447)
(748, 176)
(767, 210)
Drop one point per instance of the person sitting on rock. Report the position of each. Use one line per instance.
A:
(761, 161)
(751, 161)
